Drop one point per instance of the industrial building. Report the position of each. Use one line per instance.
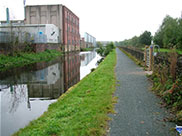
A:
(38, 33)
(62, 17)
(89, 40)
(40, 36)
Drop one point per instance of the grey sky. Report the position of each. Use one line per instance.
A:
(108, 19)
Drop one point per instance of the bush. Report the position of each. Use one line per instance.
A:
(104, 51)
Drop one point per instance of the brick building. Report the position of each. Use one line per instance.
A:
(62, 17)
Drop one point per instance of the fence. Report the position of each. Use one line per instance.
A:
(134, 52)
(159, 59)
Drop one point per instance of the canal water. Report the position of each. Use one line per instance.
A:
(25, 93)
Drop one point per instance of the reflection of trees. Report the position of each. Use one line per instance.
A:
(17, 94)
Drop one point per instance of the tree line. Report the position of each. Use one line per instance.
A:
(168, 35)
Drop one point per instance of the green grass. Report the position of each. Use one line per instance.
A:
(83, 109)
(21, 59)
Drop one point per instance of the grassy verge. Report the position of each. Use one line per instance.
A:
(21, 59)
(83, 109)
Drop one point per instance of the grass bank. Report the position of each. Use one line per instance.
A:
(83, 109)
(21, 59)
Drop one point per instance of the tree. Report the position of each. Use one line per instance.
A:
(99, 44)
(170, 30)
(169, 33)
(145, 38)
(179, 36)
(158, 38)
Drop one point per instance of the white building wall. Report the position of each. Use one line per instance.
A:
(45, 33)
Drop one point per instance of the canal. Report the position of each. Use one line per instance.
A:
(25, 93)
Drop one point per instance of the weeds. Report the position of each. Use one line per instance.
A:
(169, 86)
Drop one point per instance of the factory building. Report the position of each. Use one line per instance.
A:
(89, 40)
(62, 17)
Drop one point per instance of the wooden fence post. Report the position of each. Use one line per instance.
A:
(145, 56)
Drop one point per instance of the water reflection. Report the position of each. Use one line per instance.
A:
(88, 62)
(87, 57)
(27, 92)
(71, 69)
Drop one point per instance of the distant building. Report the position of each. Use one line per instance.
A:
(89, 40)
(62, 17)
(82, 43)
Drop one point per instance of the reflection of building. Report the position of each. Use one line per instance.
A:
(47, 83)
(71, 69)
(51, 91)
(87, 57)
(46, 80)
(89, 40)
(62, 17)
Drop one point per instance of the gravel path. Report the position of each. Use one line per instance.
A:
(138, 109)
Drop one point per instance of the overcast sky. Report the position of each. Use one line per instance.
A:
(108, 20)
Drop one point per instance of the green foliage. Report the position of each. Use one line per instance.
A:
(169, 33)
(82, 110)
(105, 50)
(21, 59)
(169, 89)
(99, 44)
(138, 41)
(167, 36)
(145, 38)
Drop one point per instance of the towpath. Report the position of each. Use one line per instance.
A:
(138, 112)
